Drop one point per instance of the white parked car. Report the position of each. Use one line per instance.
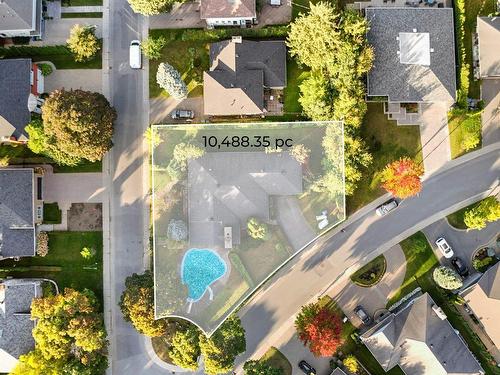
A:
(445, 249)
(135, 57)
(386, 207)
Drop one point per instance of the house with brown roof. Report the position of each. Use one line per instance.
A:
(245, 78)
(483, 298)
(488, 35)
(240, 13)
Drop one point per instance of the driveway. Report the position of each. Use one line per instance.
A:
(293, 223)
(161, 107)
(434, 135)
(464, 243)
(375, 298)
(490, 93)
(85, 79)
(182, 16)
(57, 30)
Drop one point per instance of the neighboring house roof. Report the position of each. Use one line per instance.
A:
(227, 9)
(338, 371)
(226, 189)
(484, 300)
(420, 342)
(414, 54)
(239, 71)
(15, 88)
(19, 15)
(15, 321)
(17, 227)
(488, 29)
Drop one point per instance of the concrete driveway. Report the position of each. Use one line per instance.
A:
(85, 79)
(464, 243)
(293, 223)
(161, 107)
(182, 16)
(57, 30)
(490, 93)
(375, 298)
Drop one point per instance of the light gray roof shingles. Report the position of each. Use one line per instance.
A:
(227, 9)
(17, 227)
(16, 15)
(412, 82)
(15, 88)
(420, 342)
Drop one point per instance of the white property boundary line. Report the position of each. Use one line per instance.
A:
(243, 125)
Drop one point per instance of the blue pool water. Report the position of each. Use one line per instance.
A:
(199, 269)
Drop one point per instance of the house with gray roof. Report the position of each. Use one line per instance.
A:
(225, 189)
(488, 35)
(414, 54)
(15, 320)
(483, 298)
(419, 339)
(20, 18)
(21, 208)
(242, 13)
(241, 71)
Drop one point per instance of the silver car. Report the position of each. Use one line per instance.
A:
(445, 249)
(387, 207)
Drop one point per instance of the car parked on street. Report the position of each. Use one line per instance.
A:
(182, 114)
(445, 249)
(361, 313)
(460, 266)
(307, 368)
(387, 207)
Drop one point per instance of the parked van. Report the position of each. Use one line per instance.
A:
(135, 56)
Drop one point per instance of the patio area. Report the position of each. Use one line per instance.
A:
(273, 101)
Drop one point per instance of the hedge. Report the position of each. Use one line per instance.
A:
(463, 65)
(240, 267)
(16, 51)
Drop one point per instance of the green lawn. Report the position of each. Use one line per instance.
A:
(474, 8)
(464, 127)
(51, 213)
(274, 358)
(295, 76)
(75, 3)
(64, 264)
(371, 273)
(387, 142)
(456, 219)
(82, 15)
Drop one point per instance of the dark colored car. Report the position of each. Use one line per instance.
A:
(460, 266)
(361, 313)
(307, 368)
(180, 114)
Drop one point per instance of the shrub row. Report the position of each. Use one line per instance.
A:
(17, 51)
(240, 267)
(463, 65)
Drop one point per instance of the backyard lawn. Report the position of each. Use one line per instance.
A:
(64, 263)
(295, 76)
(387, 142)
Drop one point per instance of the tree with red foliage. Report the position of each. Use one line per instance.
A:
(320, 328)
(401, 178)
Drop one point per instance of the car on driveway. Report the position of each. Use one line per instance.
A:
(445, 249)
(182, 114)
(135, 57)
(361, 313)
(307, 368)
(387, 207)
(460, 266)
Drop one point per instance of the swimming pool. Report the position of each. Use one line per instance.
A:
(200, 268)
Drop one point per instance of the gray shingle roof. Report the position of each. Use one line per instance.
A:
(17, 15)
(226, 188)
(17, 229)
(420, 342)
(488, 29)
(15, 88)
(239, 71)
(15, 322)
(405, 82)
(227, 9)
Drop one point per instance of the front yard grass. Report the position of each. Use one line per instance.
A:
(64, 263)
(456, 219)
(274, 358)
(78, 3)
(82, 15)
(371, 273)
(464, 127)
(51, 213)
(387, 142)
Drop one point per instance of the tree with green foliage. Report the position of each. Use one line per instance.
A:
(153, 137)
(300, 153)
(69, 336)
(315, 97)
(151, 7)
(185, 348)
(446, 278)
(152, 47)
(257, 229)
(83, 43)
(169, 79)
(137, 305)
(220, 350)
(486, 211)
(260, 368)
(76, 125)
(183, 152)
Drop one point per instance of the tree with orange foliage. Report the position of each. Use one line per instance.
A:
(319, 328)
(401, 178)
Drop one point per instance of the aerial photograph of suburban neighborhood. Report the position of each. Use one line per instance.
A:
(249, 187)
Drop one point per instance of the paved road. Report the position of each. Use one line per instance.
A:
(271, 312)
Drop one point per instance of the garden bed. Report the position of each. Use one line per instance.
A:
(371, 273)
(482, 260)
(51, 213)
